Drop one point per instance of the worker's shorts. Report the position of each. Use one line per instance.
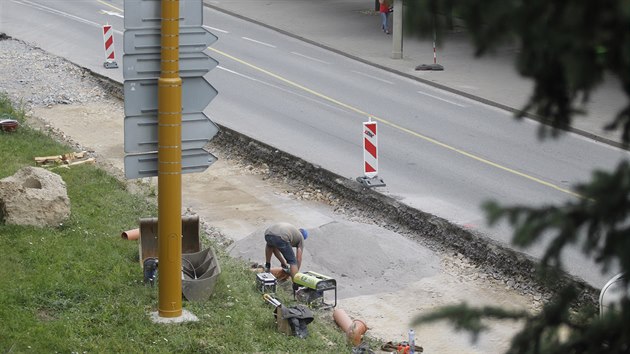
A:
(283, 246)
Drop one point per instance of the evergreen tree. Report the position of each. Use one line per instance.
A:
(566, 47)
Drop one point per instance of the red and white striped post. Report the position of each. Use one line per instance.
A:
(370, 156)
(370, 149)
(108, 40)
(435, 66)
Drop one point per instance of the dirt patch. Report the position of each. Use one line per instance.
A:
(364, 259)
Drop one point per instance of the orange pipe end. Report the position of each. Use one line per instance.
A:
(133, 234)
(354, 329)
(279, 273)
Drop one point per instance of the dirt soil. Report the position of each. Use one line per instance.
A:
(386, 276)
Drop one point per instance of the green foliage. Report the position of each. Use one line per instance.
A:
(597, 221)
(470, 319)
(8, 111)
(566, 47)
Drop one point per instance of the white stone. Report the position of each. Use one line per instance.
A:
(34, 196)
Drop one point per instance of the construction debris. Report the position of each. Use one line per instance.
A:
(9, 125)
(65, 160)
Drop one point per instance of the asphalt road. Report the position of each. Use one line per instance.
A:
(439, 152)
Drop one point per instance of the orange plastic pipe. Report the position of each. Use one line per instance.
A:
(279, 273)
(133, 234)
(354, 329)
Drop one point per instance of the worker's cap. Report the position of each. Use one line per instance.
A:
(304, 233)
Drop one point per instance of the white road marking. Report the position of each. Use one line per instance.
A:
(472, 101)
(237, 73)
(112, 13)
(215, 29)
(259, 42)
(110, 5)
(310, 58)
(442, 99)
(61, 13)
(336, 107)
(373, 77)
(57, 12)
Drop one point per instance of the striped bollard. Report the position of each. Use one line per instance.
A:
(370, 156)
(435, 66)
(110, 55)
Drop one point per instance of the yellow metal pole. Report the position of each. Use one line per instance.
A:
(170, 166)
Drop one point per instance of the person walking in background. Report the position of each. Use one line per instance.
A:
(280, 239)
(384, 10)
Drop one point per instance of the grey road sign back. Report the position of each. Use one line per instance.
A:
(141, 70)
(146, 165)
(147, 66)
(147, 13)
(141, 96)
(147, 40)
(141, 132)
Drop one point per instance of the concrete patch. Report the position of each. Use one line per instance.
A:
(186, 316)
(364, 259)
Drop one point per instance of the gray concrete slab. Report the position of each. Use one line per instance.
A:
(364, 259)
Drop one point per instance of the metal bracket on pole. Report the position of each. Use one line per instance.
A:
(369, 182)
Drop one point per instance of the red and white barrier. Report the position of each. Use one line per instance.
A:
(370, 149)
(108, 40)
(370, 156)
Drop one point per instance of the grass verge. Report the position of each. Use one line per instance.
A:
(78, 287)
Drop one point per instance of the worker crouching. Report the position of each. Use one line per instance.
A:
(280, 239)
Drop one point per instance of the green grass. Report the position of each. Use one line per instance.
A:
(78, 287)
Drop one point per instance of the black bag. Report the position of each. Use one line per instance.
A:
(298, 316)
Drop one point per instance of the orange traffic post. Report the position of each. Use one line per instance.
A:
(170, 165)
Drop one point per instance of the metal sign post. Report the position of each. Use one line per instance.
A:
(170, 166)
(165, 127)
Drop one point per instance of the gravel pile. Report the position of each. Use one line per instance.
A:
(32, 77)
